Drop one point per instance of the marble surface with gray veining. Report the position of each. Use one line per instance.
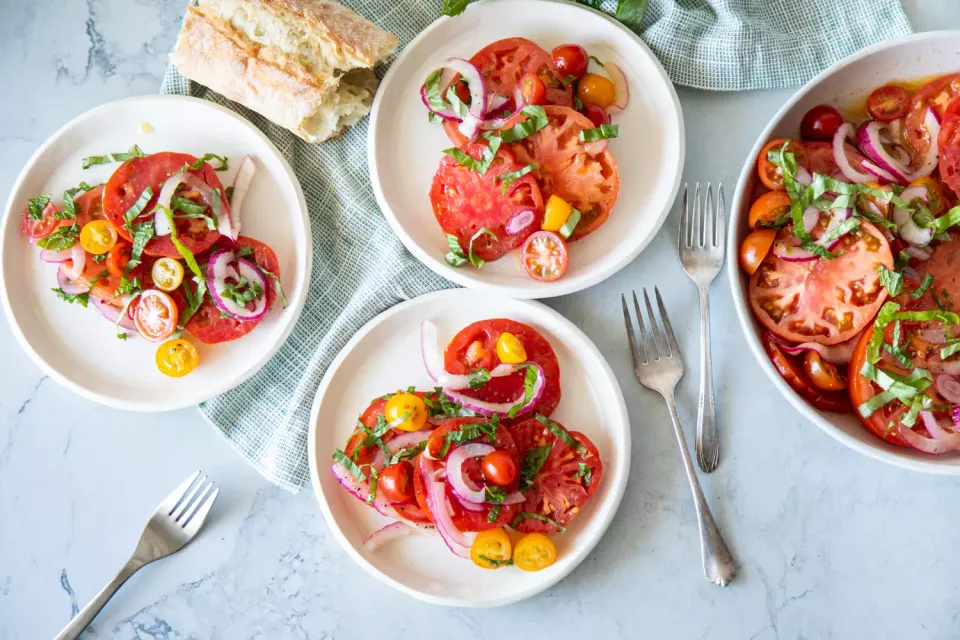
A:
(832, 545)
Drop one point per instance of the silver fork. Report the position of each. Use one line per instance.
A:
(175, 523)
(701, 247)
(658, 366)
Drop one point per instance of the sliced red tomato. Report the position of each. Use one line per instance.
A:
(156, 315)
(464, 519)
(504, 62)
(948, 145)
(133, 177)
(475, 346)
(791, 370)
(567, 479)
(820, 300)
(464, 202)
(888, 102)
(937, 95)
(43, 227)
(532, 89)
(207, 325)
(588, 180)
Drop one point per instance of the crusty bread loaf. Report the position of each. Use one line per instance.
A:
(304, 64)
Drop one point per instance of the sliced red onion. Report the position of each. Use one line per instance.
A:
(950, 367)
(496, 100)
(803, 176)
(67, 285)
(405, 440)
(56, 256)
(920, 253)
(955, 415)
(852, 174)
(949, 388)
(361, 490)
(439, 507)
(390, 533)
(115, 315)
(520, 221)
(868, 139)
(941, 441)
(230, 226)
(474, 80)
(791, 252)
(73, 268)
(469, 506)
(933, 336)
(446, 113)
(835, 353)
(501, 408)
(470, 126)
(432, 356)
(499, 123)
(455, 470)
(596, 147)
(908, 229)
(879, 174)
(810, 218)
(619, 81)
(219, 268)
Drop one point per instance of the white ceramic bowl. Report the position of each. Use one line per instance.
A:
(843, 84)
(403, 148)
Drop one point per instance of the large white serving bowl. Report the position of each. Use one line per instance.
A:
(843, 84)
(404, 149)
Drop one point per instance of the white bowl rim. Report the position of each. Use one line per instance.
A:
(880, 451)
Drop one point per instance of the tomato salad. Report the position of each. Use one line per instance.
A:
(530, 168)
(157, 251)
(852, 258)
(479, 454)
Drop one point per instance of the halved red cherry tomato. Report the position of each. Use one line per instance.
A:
(544, 256)
(396, 482)
(533, 89)
(770, 174)
(769, 208)
(156, 315)
(499, 468)
(755, 248)
(570, 60)
(795, 376)
(118, 257)
(820, 123)
(597, 115)
(888, 102)
(39, 228)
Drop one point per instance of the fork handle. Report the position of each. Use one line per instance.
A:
(83, 619)
(718, 565)
(708, 444)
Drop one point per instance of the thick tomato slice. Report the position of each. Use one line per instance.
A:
(791, 370)
(937, 95)
(862, 390)
(464, 202)
(562, 486)
(475, 346)
(949, 146)
(207, 325)
(819, 300)
(130, 180)
(575, 171)
(504, 62)
(463, 519)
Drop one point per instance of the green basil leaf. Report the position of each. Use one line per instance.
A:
(571, 224)
(917, 293)
(61, 239)
(133, 152)
(207, 157)
(584, 471)
(481, 165)
(455, 257)
(533, 460)
(478, 378)
(529, 382)
(630, 13)
(892, 281)
(187, 255)
(602, 132)
(494, 494)
(37, 204)
(536, 120)
(947, 220)
(842, 229)
(137, 207)
(193, 298)
(492, 517)
(524, 515)
(276, 286)
(508, 178)
(142, 233)
(454, 7)
(344, 460)
(80, 298)
(561, 434)
(474, 259)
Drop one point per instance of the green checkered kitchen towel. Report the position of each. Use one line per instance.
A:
(360, 268)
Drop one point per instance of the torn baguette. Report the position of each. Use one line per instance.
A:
(304, 64)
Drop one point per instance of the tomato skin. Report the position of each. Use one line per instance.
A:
(534, 552)
(768, 208)
(770, 174)
(491, 545)
(396, 482)
(861, 390)
(888, 102)
(597, 115)
(824, 375)
(820, 123)
(118, 257)
(797, 379)
(544, 256)
(949, 146)
(755, 248)
(597, 90)
(499, 468)
(937, 95)
(570, 60)
(532, 89)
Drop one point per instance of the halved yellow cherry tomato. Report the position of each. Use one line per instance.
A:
(176, 358)
(409, 405)
(156, 315)
(510, 349)
(555, 213)
(98, 237)
(534, 552)
(167, 274)
(491, 549)
(594, 89)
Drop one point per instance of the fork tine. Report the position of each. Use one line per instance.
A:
(668, 329)
(721, 217)
(649, 346)
(662, 351)
(696, 219)
(683, 236)
(708, 214)
(186, 515)
(173, 500)
(177, 513)
(196, 520)
(638, 359)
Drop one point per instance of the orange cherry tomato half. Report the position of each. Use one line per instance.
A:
(888, 103)
(769, 208)
(533, 89)
(118, 257)
(824, 375)
(755, 248)
(544, 256)
(770, 174)
(156, 315)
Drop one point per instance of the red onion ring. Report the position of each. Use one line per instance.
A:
(949, 388)
(810, 218)
(439, 507)
(390, 533)
(941, 441)
(908, 229)
(73, 268)
(432, 356)
(219, 268)
(840, 353)
(113, 314)
(519, 222)
(950, 368)
(619, 80)
(501, 408)
(840, 155)
(56, 257)
(67, 285)
(455, 470)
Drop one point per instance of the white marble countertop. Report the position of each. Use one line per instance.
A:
(831, 544)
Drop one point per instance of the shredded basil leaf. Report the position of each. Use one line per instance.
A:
(922, 289)
(188, 256)
(61, 239)
(133, 152)
(440, 406)
(529, 382)
(524, 515)
(561, 434)
(536, 120)
(571, 224)
(949, 350)
(37, 204)
(99, 258)
(142, 233)
(276, 286)
(196, 166)
(583, 471)
(602, 132)
(494, 494)
(842, 229)
(947, 220)
(481, 165)
(569, 80)
(510, 176)
(137, 207)
(80, 298)
(128, 287)
(496, 564)
(533, 460)
(406, 454)
(492, 517)
(193, 298)
(455, 257)
(344, 460)
(892, 281)
(478, 378)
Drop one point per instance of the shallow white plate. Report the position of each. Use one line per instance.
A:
(75, 345)
(385, 356)
(844, 84)
(404, 149)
